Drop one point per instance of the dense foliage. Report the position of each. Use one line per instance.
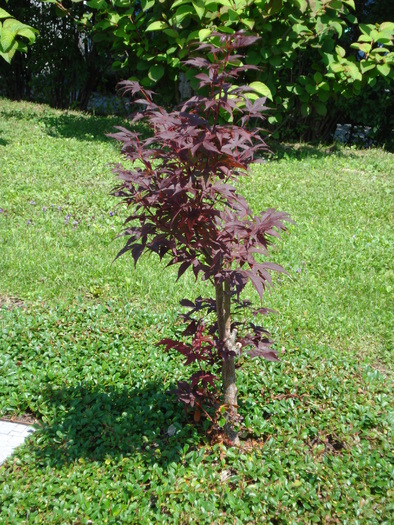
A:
(63, 66)
(185, 207)
(311, 53)
(318, 59)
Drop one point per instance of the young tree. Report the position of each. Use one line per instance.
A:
(185, 207)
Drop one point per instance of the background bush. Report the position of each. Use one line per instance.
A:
(322, 63)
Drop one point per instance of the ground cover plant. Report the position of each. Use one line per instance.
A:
(112, 446)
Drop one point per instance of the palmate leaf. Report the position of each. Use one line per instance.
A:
(187, 303)
(206, 378)
(264, 351)
(182, 269)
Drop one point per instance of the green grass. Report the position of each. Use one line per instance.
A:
(79, 350)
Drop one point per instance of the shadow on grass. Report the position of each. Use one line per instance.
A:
(301, 151)
(81, 126)
(93, 424)
(88, 127)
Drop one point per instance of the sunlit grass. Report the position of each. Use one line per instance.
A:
(78, 351)
(59, 223)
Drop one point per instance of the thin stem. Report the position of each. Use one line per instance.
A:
(223, 309)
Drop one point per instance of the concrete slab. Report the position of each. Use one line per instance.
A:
(12, 435)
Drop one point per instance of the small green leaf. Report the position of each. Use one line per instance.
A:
(302, 5)
(317, 77)
(364, 38)
(225, 29)
(305, 110)
(320, 108)
(387, 26)
(182, 12)
(262, 89)
(7, 56)
(323, 95)
(248, 22)
(384, 69)
(253, 58)
(366, 29)
(157, 25)
(275, 61)
(337, 68)
(177, 3)
(147, 82)
(274, 6)
(352, 69)
(351, 18)
(142, 65)
(324, 86)
(380, 51)
(96, 4)
(192, 36)
(222, 422)
(338, 28)
(350, 3)
(203, 34)
(199, 7)
(384, 39)
(311, 88)
(367, 65)
(364, 47)
(335, 4)
(171, 32)
(147, 4)
(156, 72)
(7, 39)
(372, 81)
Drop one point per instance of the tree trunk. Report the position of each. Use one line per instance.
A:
(223, 304)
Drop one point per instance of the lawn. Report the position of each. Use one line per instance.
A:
(78, 354)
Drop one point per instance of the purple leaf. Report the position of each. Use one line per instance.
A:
(187, 303)
(269, 355)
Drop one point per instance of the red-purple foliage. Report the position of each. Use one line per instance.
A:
(184, 205)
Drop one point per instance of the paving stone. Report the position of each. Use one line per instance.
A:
(12, 435)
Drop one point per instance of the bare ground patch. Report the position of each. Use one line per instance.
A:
(8, 301)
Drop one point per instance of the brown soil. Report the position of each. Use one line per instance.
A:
(11, 302)
(25, 419)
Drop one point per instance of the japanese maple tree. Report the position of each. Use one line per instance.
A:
(185, 209)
